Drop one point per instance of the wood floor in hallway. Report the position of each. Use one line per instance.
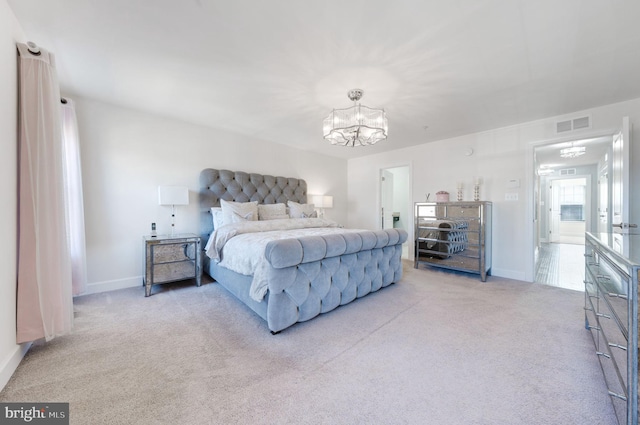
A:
(561, 265)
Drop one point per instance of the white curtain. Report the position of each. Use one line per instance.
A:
(75, 203)
(45, 302)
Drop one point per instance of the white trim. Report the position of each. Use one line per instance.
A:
(112, 285)
(12, 362)
(509, 274)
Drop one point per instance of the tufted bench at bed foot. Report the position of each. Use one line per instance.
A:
(316, 274)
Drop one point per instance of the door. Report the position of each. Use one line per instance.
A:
(386, 195)
(620, 180)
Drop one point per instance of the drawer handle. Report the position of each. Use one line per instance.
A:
(606, 316)
(622, 347)
(593, 263)
(603, 277)
(588, 255)
(613, 295)
(599, 353)
(593, 327)
(621, 397)
(588, 309)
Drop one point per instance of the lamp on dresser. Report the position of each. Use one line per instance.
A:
(173, 195)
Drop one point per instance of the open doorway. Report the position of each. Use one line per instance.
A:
(560, 261)
(569, 193)
(395, 211)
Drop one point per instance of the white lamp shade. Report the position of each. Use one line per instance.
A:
(173, 195)
(322, 201)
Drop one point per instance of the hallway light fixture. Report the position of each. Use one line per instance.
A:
(355, 126)
(573, 151)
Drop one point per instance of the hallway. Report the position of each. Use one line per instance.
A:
(561, 265)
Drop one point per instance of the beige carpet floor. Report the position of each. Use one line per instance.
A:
(437, 348)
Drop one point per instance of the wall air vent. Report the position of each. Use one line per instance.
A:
(579, 123)
(568, 172)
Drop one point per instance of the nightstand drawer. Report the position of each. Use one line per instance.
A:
(167, 272)
(172, 252)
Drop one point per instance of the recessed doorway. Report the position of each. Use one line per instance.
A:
(395, 211)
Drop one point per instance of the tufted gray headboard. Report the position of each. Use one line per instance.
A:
(244, 187)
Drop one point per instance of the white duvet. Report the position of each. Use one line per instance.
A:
(240, 246)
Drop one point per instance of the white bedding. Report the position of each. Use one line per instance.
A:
(244, 244)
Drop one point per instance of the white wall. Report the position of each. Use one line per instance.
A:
(10, 33)
(499, 156)
(127, 154)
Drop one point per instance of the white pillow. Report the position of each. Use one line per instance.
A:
(240, 208)
(276, 217)
(218, 218)
(297, 210)
(267, 211)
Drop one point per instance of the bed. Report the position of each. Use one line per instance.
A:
(307, 265)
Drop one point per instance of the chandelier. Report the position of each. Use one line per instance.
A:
(573, 151)
(357, 125)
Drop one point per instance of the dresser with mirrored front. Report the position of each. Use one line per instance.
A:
(612, 262)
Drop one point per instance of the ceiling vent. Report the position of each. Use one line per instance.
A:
(579, 123)
(568, 172)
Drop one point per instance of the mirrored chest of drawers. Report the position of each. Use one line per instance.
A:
(171, 258)
(454, 235)
(612, 262)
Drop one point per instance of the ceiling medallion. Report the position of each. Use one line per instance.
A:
(358, 125)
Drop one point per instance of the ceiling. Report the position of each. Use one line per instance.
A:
(272, 70)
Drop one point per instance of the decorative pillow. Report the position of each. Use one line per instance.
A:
(218, 218)
(266, 211)
(297, 210)
(312, 215)
(237, 218)
(240, 208)
(276, 217)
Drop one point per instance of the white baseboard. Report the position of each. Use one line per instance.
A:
(112, 285)
(12, 362)
(509, 274)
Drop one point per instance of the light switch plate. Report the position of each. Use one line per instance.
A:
(511, 196)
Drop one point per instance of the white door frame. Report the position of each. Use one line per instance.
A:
(410, 198)
(530, 176)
